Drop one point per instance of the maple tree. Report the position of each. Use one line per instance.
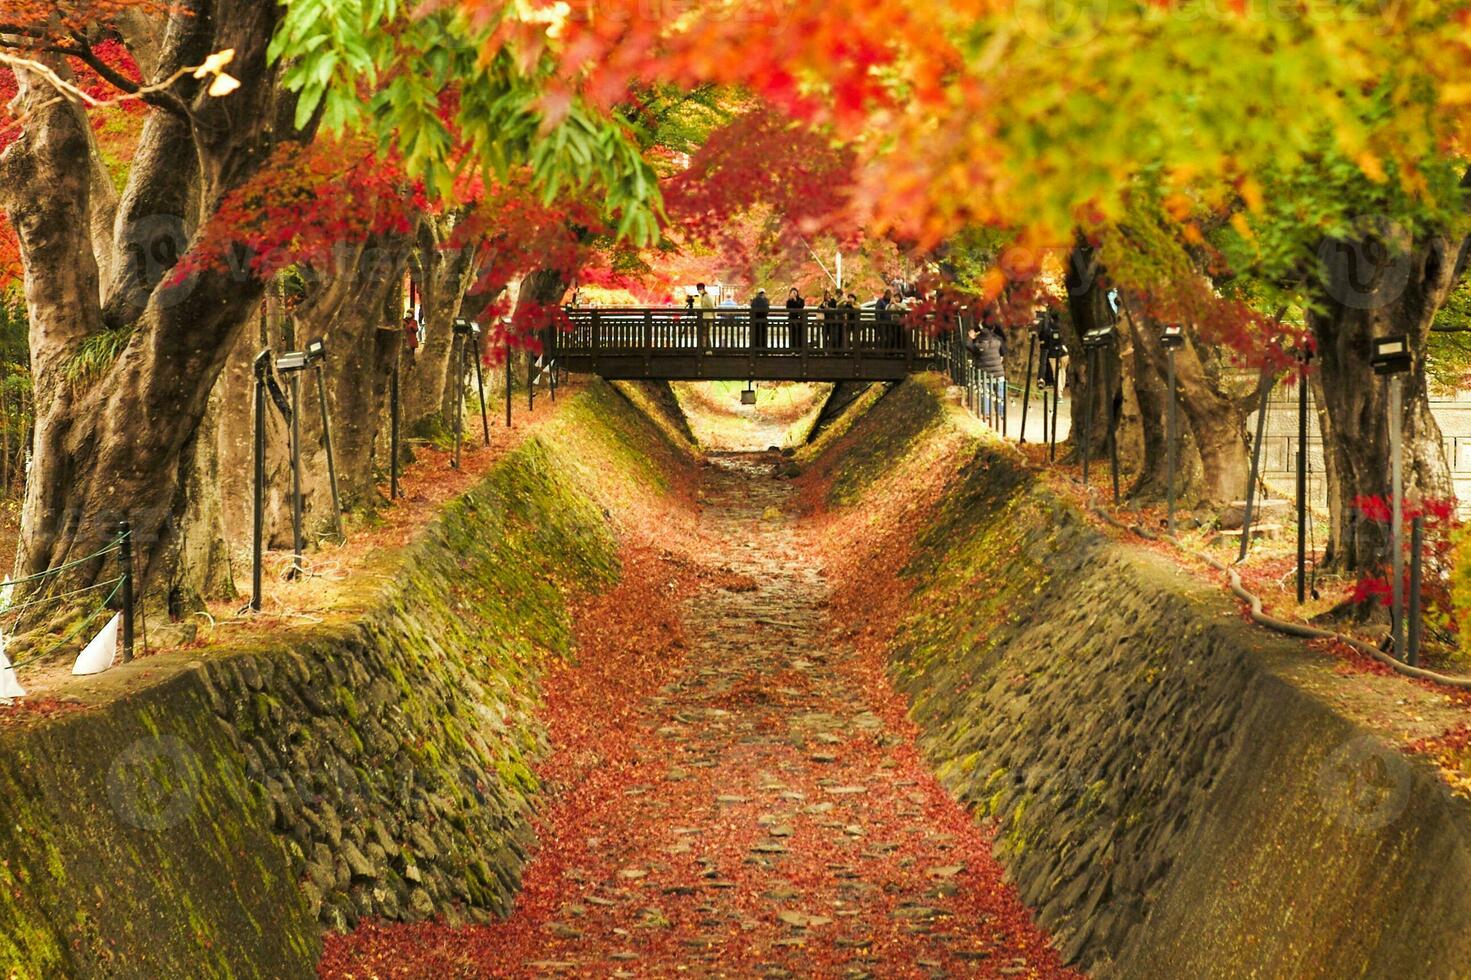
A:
(547, 128)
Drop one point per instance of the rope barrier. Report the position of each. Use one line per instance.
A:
(6, 610)
(116, 544)
(75, 631)
(14, 611)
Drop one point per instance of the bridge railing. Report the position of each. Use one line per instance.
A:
(741, 330)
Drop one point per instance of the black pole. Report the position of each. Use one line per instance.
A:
(258, 525)
(297, 538)
(1172, 449)
(1086, 443)
(1113, 453)
(1004, 394)
(509, 375)
(1256, 461)
(125, 556)
(1056, 403)
(1041, 368)
(1417, 546)
(393, 447)
(327, 445)
(1302, 479)
(480, 385)
(459, 398)
(1027, 388)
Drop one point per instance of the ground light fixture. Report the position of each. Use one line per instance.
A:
(1390, 358)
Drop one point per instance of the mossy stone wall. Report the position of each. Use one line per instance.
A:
(1174, 790)
(208, 814)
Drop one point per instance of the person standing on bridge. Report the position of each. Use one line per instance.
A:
(706, 302)
(883, 311)
(831, 328)
(760, 312)
(796, 319)
(850, 320)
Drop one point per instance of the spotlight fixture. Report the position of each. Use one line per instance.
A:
(294, 361)
(1391, 355)
(1098, 337)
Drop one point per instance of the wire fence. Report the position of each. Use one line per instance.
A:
(114, 595)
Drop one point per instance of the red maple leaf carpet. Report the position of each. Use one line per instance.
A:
(734, 795)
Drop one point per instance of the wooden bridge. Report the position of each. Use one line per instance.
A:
(739, 344)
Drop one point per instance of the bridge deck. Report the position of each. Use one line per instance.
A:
(738, 344)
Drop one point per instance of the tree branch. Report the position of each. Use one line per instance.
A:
(159, 98)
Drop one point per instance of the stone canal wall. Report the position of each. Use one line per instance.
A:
(1175, 791)
(208, 813)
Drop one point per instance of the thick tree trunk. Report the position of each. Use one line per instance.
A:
(1385, 283)
(1089, 309)
(354, 310)
(119, 434)
(444, 275)
(1216, 420)
(1151, 480)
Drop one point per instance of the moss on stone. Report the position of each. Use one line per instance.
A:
(1163, 783)
(409, 712)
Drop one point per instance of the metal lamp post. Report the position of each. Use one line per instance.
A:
(1093, 343)
(292, 365)
(1302, 474)
(1390, 357)
(265, 386)
(1172, 340)
(316, 356)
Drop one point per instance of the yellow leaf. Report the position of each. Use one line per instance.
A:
(992, 283)
(1372, 167)
(1251, 193)
(1177, 206)
(1239, 222)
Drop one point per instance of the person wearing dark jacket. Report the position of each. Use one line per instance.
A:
(760, 316)
(796, 319)
(832, 328)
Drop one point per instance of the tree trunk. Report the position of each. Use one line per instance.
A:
(444, 275)
(1088, 305)
(351, 308)
(119, 400)
(1152, 478)
(1216, 420)
(1384, 283)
